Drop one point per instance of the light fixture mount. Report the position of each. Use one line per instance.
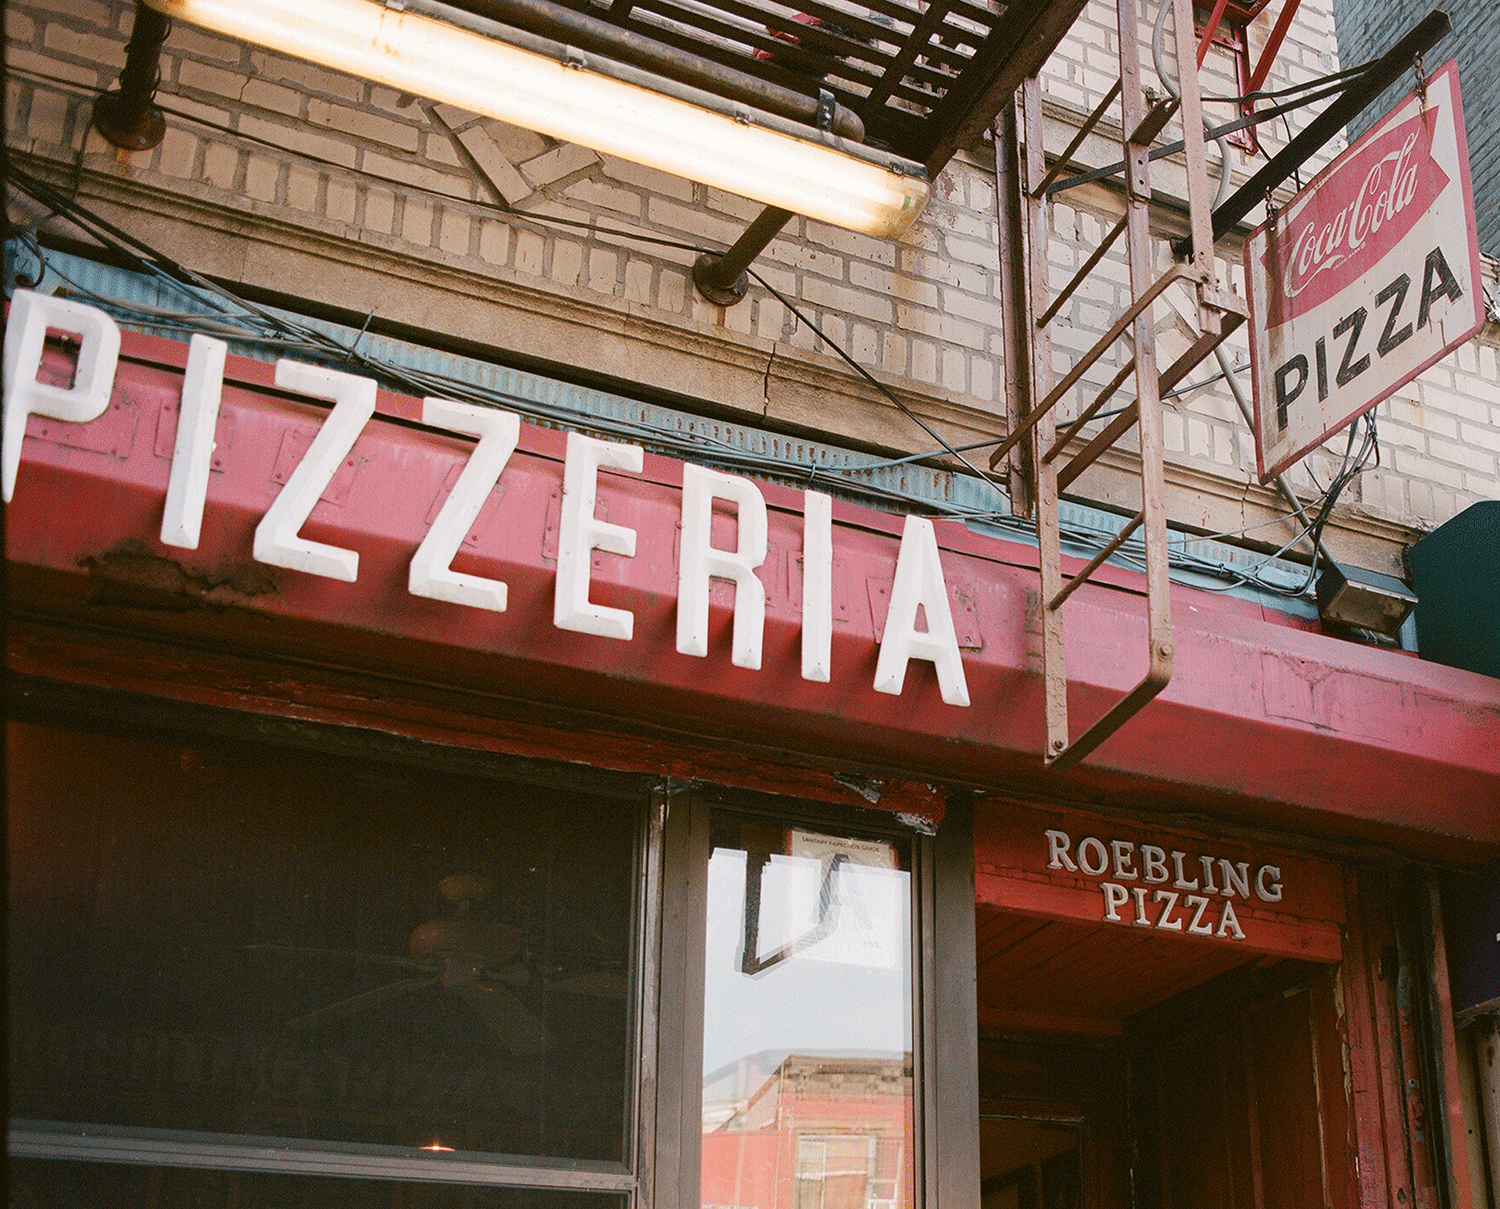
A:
(1352, 599)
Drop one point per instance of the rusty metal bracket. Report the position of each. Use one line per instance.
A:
(725, 279)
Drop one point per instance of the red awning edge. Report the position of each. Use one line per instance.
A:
(1289, 724)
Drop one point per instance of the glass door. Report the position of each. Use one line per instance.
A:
(807, 1020)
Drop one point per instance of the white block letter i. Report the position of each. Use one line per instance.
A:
(702, 561)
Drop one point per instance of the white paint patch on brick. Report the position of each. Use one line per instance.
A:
(209, 79)
(494, 241)
(176, 105)
(452, 117)
(300, 140)
(601, 195)
(567, 262)
(306, 77)
(340, 200)
(417, 216)
(187, 39)
(220, 165)
(453, 231)
(380, 211)
(262, 175)
(264, 95)
(530, 250)
(603, 270)
(501, 174)
(638, 282)
(302, 189)
(179, 154)
(553, 165)
(391, 169)
(671, 291)
(648, 180)
(363, 125)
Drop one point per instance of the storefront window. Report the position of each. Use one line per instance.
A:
(224, 939)
(37, 1184)
(807, 1039)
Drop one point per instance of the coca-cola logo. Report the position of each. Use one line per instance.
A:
(1353, 219)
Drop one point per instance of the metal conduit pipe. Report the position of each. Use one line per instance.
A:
(1158, 60)
(126, 116)
(549, 20)
(724, 280)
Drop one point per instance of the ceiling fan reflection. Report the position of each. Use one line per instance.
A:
(473, 959)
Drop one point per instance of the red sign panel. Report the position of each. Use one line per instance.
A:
(83, 533)
(1365, 278)
(1064, 865)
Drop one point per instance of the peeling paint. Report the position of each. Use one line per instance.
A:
(165, 583)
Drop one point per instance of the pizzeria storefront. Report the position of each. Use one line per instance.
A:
(412, 805)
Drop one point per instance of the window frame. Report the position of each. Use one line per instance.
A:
(662, 1141)
(87, 710)
(944, 1004)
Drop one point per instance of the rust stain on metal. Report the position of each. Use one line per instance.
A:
(130, 575)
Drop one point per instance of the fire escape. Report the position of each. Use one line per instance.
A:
(1043, 457)
(918, 80)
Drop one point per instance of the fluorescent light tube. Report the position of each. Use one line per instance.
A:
(569, 97)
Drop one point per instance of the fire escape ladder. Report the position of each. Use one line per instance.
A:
(1040, 461)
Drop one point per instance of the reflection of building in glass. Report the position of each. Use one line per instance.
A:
(818, 1133)
(194, 947)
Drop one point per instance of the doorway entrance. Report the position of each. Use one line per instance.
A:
(1128, 1063)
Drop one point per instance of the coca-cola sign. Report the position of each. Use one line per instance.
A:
(1368, 276)
(1333, 244)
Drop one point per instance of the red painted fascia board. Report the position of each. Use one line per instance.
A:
(1257, 709)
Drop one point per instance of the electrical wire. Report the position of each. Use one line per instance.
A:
(243, 321)
(312, 342)
(1352, 465)
(247, 322)
(1158, 29)
(875, 382)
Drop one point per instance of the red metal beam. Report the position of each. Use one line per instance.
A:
(1272, 47)
(1210, 28)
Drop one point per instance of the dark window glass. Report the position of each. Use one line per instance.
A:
(260, 941)
(1030, 1163)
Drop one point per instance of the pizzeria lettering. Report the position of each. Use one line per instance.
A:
(918, 592)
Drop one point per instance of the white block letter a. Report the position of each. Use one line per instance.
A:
(919, 582)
